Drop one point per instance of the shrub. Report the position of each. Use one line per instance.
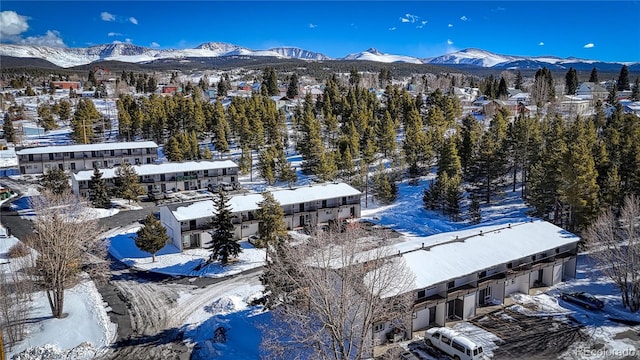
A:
(18, 250)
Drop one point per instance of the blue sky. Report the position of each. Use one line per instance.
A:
(606, 31)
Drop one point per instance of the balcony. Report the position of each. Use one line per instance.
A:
(436, 298)
(492, 279)
(460, 291)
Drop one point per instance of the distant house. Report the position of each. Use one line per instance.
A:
(632, 107)
(596, 91)
(188, 225)
(171, 176)
(521, 97)
(66, 85)
(171, 89)
(574, 105)
(456, 273)
(38, 160)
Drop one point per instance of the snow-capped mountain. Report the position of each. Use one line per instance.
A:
(373, 54)
(482, 58)
(68, 57)
(475, 57)
(297, 53)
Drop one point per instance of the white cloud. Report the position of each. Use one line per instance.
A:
(392, 28)
(312, 26)
(114, 34)
(105, 16)
(541, 43)
(464, 18)
(12, 24)
(409, 18)
(128, 41)
(154, 44)
(450, 25)
(133, 20)
(51, 38)
(449, 42)
(424, 22)
(588, 46)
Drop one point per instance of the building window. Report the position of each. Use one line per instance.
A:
(378, 327)
(451, 284)
(421, 294)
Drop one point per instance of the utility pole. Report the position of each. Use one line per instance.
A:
(1, 344)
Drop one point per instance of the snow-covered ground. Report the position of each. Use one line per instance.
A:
(199, 311)
(170, 261)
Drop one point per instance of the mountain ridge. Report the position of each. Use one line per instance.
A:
(126, 52)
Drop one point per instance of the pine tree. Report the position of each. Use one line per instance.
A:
(266, 165)
(270, 81)
(448, 160)
(152, 236)
(271, 227)
(518, 82)
(416, 147)
(470, 134)
(83, 122)
(292, 89)
(246, 162)
(55, 181)
(46, 119)
(221, 128)
(385, 188)
(545, 175)
(503, 92)
(593, 77)
(222, 244)
(7, 127)
(579, 189)
(64, 110)
(623, 79)
(195, 147)
(453, 196)
(475, 214)
(127, 182)
(173, 151)
(489, 162)
(98, 190)
(571, 81)
(386, 134)
(635, 92)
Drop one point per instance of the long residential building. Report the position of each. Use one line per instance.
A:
(39, 160)
(166, 177)
(456, 273)
(188, 225)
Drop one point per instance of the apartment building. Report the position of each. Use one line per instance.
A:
(167, 177)
(188, 225)
(39, 160)
(458, 272)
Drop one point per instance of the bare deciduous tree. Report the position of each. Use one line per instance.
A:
(615, 242)
(328, 293)
(16, 288)
(67, 241)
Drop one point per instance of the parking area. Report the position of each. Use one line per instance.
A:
(530, 336)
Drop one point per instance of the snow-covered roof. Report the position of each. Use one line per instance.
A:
(249, 201)
(157, 169)
(447, 259)
(88, 147)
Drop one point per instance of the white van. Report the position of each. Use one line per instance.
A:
(453, 344)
